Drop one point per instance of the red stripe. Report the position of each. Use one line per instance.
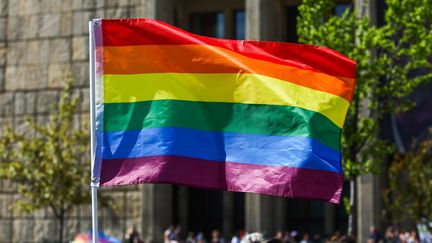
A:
(272, 180)
(126, 32)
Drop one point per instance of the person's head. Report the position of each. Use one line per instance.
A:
(346, 239)
(215, 234)
(306, 237)
(178, 229)
(279, 235)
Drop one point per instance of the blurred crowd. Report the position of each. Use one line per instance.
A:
(392, 235)
(174, 235)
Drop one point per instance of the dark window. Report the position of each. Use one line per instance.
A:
(381, 8)
(208, 24)
(239, 25)
(341, 7)
(292, 14)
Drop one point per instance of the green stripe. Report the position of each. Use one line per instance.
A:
(224, 117)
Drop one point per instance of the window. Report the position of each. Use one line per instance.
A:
(208, 24)
(292, 13)
(341, 7)
(239, 25)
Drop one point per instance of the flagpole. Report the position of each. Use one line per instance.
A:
(95, 229)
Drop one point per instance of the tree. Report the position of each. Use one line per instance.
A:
(47, 164)
(392, 60)
(409, 192)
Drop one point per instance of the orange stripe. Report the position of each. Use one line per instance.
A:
(211, 59)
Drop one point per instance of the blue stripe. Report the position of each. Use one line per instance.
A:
(299, 152)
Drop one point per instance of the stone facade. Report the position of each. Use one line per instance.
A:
(42, 44)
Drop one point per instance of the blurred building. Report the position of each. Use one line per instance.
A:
(44, 41)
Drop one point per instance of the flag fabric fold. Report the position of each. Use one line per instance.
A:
(246, 116)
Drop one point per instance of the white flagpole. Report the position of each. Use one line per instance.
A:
(92, 130)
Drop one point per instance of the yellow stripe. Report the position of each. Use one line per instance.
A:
(232, 88)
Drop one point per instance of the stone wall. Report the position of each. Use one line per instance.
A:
(42, 43)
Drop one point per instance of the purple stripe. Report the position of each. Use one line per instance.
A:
(272, 180)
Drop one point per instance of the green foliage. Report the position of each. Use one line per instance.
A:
(409, 193)
(47, 162)
(392, 61)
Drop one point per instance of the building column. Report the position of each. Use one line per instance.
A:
(369, 198)
(265, 20)
(266, 214)
(329, 218)
(156, 213)
(228, 214)
(183, 209)
(368, 205)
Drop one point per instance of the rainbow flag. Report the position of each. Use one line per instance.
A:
(245, 116)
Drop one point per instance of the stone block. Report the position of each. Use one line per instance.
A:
(100, 13)
(85, 211)
(15, 78)
(39, 214)
(2, 29)
(58, 74)
(119, 12)
(37, 52)
(6, 104)
(66, 24)
(81, 74)
(25, 103)
(36, 77)
(50, 25)
(2, 78)
(85, 224)
(32, 24)
(19, 104)
(60, 50)
(2, 56)
(15, 28)
(3, 8)
(43, 120)
(85, 99)
(16, 53)
(29, 7)
(133, 208)
(9, 186)
(45, 230)
(46, 100)
(85, 120)
(6, 203)
(84, 4)
(76, 121)
(6, 230)
(23, 230)
(101, 3)
(80, 48)
(5, 123)
(12, 9)
(71, 228)
(112, 4)
(66, 5)
(49, 6)
(80, 22)
(30, 106)
(21, 127)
